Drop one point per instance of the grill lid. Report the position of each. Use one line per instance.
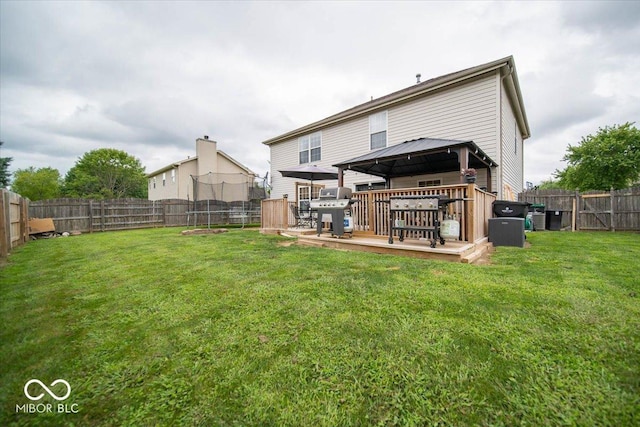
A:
(335, 193)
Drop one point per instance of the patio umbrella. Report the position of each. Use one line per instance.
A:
(310, 172)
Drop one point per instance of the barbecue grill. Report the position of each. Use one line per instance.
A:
(419, 213)
(334, 202)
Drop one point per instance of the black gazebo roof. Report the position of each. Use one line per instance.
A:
(417, 157)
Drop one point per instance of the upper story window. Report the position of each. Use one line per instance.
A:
(173, 176)
(378, 130)
(164, 179)
(310, 148)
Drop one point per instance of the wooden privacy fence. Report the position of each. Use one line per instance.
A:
(14, 222)
(594, 210)
(88, 215)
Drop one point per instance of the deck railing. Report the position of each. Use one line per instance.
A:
(472, 210)
(275, 214)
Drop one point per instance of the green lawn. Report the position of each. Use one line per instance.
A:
(153, 328)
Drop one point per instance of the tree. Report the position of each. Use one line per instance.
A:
(5, 177)
(37, 184)
(606, 160)
(106, 173)
(549, 184)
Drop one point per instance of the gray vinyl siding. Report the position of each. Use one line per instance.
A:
(448, 178)
(468, 111)
(512, 152)
(283, 155)
(339, 142)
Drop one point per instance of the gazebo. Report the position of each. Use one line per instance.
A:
(420, 157)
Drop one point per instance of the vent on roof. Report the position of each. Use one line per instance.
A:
(418, 78)
(206, 137)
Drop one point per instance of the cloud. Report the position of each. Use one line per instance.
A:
(151, 77)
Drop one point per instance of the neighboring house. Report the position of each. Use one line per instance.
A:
(175, 180)
(470, 118)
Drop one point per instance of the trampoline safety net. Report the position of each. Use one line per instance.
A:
(225, 198)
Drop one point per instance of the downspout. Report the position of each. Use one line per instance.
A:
(499, 182)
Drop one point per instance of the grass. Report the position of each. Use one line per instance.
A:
(153, 328)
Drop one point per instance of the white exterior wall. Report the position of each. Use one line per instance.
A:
(185, 187)
(207, 154)
(227, 166)
(173, 190)
(166, 190)
(468, 111)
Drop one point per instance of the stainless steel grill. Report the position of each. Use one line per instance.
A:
(335, 205)
(415, 214)
(414, 203)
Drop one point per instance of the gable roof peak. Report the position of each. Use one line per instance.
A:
(413, 91)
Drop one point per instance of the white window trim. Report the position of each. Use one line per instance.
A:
(308, 150)
(386, 129)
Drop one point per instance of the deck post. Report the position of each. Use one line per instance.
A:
(470, 212)
(370, 212)
(285, 212)
(464, 162)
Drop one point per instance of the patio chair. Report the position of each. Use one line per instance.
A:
(303, 217)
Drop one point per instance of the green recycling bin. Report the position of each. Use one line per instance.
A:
(536, 208)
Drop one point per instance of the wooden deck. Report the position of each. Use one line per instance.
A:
(455, 251)
(472, 209)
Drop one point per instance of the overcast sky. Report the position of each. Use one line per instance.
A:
(151, 77)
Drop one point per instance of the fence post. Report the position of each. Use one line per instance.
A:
(90, 216)
(102, 219)
(612, 198)
(578, 207)
(24, 220)
(5, 224)
(574, 214)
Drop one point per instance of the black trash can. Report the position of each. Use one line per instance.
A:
(507, 229)
(510, 209)
(554, 220)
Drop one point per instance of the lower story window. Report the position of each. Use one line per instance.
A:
(430, 182)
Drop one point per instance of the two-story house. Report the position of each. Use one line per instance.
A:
(423, 135)
(175, 181)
